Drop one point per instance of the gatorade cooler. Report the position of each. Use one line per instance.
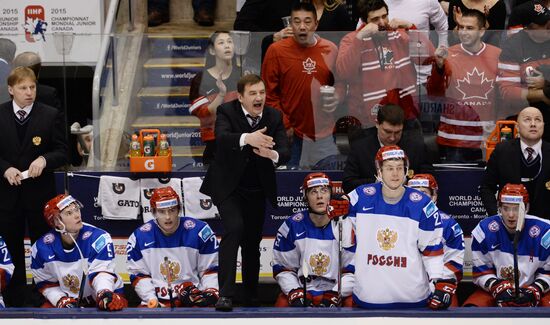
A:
(504, 130)
(153, 163)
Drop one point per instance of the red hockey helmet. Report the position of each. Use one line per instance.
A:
(164, 197)
(423, 180)
(513, 193)
(54, 206)
(316, 179)
(390, 152)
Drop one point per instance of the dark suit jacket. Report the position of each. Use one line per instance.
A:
(45, 137)
(224, 173)
(504, 167)
(360, 168)
(48, 95)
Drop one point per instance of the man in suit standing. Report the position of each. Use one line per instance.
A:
(250, 141)
(7, 52)
(520, 161)
(360, 168)
(34, 145)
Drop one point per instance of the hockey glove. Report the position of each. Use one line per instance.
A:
(330, 299)
(189, 294)
(443, 294)
(338, 207)
(296, 298)
(529, 296)
(108, 300)
(503, 292)
(67, 302)
(210, 297)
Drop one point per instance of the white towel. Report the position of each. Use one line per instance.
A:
(147, 185)
(197, 205)
(118, 198)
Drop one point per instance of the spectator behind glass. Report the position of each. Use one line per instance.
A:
(266, 15)
(375, 62)
(464, 78)
(495, 11)
(294, 71)
(524, 66)
(7, 52)
(215, 85)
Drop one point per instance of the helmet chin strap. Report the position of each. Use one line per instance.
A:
(64, 230)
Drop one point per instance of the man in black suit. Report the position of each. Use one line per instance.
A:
(250, 141)
(33, 146)
(520, 161)
(360, 168)
(7, 52)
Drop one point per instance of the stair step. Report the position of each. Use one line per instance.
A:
(163, 72)
(168, 101)
(180, 130)
(178, 46)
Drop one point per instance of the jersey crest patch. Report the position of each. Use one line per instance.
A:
(429, 209)
(545, 241)
(48, 239)
(534, 232)
(189, 224)
(369, 190)
(298, 217)
(72, 282)
(100, 243)
(205, 233)
(415, 197)
(146, 227)
(507, 272)
(86, 235)
(493, 226)
(387, 238)
(319, 263)
(170, 270)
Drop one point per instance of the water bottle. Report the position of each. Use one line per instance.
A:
(148, 145)
(505, 134)
(135, 147)
(164, 146)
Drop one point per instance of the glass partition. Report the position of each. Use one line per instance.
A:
(330, 93)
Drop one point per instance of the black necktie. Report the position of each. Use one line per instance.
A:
(254, 120)
(21, 114)
(530, 152)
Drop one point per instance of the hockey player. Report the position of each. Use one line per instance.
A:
(399, 249)
(492, 255)
(6, 268)
(74, 253)
(173, 259)
(453, 237)
(310, 237)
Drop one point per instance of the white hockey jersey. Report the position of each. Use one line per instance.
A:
(6, 268)
(399, 248)
(188, 255)
(299, 241)
(58, 271)
(453, 247)
(492, 251)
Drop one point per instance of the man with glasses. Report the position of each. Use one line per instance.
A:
(310, 240)
(525, 160)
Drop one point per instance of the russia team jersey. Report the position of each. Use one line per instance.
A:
(188, 255)
(299, 241)
(6, 268)
(399, 248)
(492, 251)
(58, 271)
(453, 247)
